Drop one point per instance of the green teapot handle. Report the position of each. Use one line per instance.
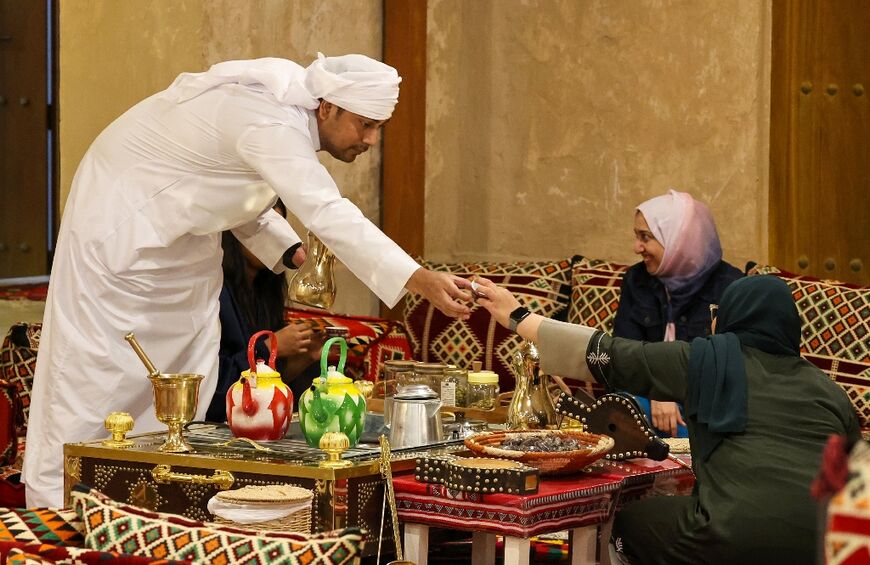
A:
(324, 355)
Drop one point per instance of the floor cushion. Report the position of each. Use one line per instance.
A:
(18, 363)
(595, 288)
(114, 526)
(836, 332)
(370, 341)
(41, 526)
(542, 287)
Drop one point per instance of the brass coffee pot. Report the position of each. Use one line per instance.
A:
(531, 407)
(314, 281)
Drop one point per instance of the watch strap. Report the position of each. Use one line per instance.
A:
(517, 316)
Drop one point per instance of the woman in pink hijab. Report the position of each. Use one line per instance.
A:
(667, 296)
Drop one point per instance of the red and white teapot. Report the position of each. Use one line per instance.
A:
(259, 404)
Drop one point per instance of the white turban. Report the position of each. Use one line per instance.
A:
(356, 83)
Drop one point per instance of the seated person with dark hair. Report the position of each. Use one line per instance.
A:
(252, 299)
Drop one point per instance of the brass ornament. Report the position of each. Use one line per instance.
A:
(118, 424)
(334, 444)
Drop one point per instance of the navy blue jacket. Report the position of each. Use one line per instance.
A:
(642, 312)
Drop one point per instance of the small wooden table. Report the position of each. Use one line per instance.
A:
(578, 503)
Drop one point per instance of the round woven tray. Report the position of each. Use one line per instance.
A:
(270, 496)
(595, 446)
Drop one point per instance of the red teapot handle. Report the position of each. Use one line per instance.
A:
(273, 349)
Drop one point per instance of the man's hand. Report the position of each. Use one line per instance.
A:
(444, 291)
(300, 255)
(666, 416)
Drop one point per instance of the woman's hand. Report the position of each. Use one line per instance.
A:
(666, 416)
(294, 338)
(497, 300)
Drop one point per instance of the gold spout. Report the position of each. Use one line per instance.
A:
(314, 282)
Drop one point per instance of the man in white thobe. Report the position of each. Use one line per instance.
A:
(139, 246)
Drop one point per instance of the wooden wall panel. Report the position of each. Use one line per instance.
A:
(404, 157)
(820, 139)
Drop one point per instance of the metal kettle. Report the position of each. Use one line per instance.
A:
(415, 419)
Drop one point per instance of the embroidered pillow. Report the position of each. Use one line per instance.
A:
(542, 287)
(39, 554)
(595, 287)
(18, 363)
(113, 526)
(41, 525)
(836, 332)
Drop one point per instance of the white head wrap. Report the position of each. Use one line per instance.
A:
(356, 83)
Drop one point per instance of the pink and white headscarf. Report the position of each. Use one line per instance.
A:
(686, 230)
(356, 83)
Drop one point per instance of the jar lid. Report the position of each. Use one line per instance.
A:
(455, 371)
(429, 368)
(415, 392)
(483, 377)
(400, 363)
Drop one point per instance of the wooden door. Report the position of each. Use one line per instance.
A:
(820, 139)
(24, 165)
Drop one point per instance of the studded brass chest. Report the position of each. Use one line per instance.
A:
(183, 483)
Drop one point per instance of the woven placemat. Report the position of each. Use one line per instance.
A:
(266, 494)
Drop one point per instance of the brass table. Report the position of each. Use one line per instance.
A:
(183, 483)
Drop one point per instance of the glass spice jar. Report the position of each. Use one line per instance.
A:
(397, 372)
(430, 374)
(483, 390)
(454, 387)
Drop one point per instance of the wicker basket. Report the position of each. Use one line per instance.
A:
(267, 498)
(488, 444)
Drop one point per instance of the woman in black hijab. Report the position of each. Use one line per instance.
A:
(758, 417)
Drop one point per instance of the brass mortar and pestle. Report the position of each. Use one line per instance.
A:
(175, 399)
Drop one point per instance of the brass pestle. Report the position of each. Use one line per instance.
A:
(175, 399)
(152, 370)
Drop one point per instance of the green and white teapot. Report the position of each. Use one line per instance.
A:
(332, 403)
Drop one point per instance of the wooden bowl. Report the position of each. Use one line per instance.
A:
(594, 447)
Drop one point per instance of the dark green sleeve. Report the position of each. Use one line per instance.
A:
(655, 370)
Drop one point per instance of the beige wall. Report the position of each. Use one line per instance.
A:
(549, 121)
(114, 53)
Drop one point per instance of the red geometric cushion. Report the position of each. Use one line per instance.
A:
(595, 286)
(18, 363)
(836, 332)
(542, 287)
(370, 341)
(847, 535)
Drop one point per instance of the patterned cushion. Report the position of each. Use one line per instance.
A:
(112, 526)
(595, 288)
(18, 363)
(370, 341)
(542, 287)
(17, 552)
(41, 525)
(836, 332)
(847, 536)
(10, 419)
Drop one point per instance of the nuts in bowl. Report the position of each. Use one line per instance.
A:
(553, 452)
